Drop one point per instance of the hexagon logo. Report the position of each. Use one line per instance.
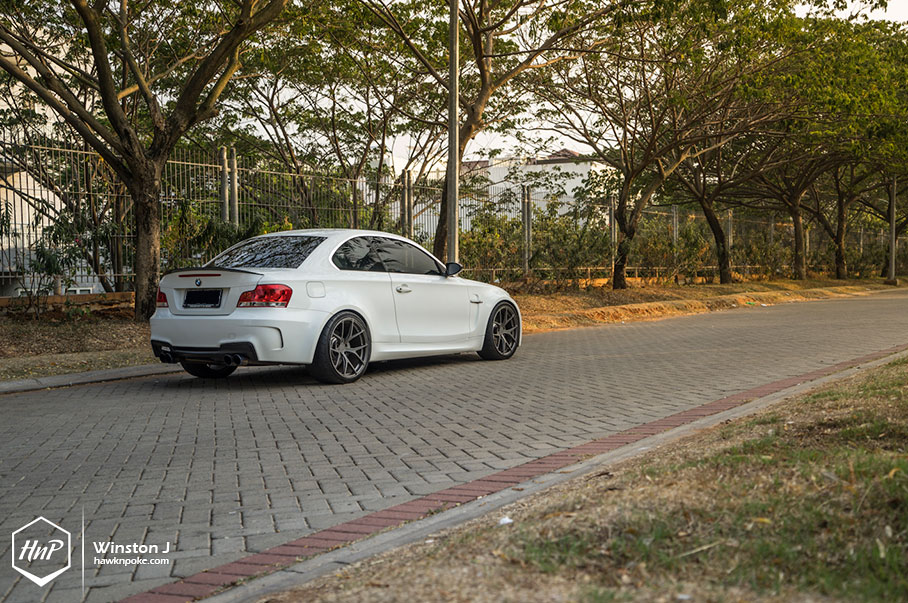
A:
(42, 550)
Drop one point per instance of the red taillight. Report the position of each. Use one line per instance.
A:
(266, 296)
(162, 299)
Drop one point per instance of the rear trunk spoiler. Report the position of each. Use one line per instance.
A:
(210, 268)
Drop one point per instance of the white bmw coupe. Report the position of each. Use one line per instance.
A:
(331, 299)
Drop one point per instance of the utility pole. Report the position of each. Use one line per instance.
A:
(234, 189)
(225, 186)
(453, 133)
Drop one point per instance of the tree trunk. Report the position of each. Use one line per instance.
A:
(722, 254)
(619, 276)
(841, 268)
(467, 130)
(440, 244)
(145, 196)
(627, 228)
(800, 260)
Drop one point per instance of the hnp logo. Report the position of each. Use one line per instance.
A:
(42, 550)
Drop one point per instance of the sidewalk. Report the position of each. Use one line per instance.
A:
(294, 563)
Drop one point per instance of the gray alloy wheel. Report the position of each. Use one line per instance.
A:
(206, 370)
(502, 333)
(343, 350)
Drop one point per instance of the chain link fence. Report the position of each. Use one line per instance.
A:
(66, 223)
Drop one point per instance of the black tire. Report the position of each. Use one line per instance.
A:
(205, 370)
(502, 333)
(343, 350)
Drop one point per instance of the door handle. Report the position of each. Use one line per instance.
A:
(403, 289)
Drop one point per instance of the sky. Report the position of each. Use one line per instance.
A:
(897, 11)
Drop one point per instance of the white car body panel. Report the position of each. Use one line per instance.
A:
(419, 300)
(439, 315)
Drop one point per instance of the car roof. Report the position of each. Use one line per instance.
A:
(334, 233)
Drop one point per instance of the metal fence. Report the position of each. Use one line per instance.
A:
(66, 223)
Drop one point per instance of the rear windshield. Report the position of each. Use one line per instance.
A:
(268, 252)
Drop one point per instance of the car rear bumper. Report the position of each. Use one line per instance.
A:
(259, 335)
(238, 352)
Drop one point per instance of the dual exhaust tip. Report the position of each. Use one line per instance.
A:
(234, 359)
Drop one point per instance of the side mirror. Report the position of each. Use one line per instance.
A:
(452, 268)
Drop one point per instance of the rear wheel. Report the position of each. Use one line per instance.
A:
(207, 370)
(343, 350)
(502, 333)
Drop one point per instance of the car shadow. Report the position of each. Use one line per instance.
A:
(257, 376)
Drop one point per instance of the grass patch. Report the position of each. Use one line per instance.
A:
(819, 505)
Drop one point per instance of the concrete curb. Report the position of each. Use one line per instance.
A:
(126, 372)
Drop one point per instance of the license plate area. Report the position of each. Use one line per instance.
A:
(202, 298)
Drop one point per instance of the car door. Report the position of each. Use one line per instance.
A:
(430, 307)
(365, 283)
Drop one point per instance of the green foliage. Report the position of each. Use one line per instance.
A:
(769, 255)
(195, 233)
(653, 247)
(568, 238)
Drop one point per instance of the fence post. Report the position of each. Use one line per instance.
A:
(234, 189)
(731, 229)
(225, 207)
(527, 207)
(354, 193)
(893, 236)
(409, 204)
(675, 234)
(772, 229)
(403, 203)
(612, 234)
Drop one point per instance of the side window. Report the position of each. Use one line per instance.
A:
(400, 256)
(358, 254)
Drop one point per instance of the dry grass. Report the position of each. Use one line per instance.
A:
(569, 309)
(806, 501)
(58, 344)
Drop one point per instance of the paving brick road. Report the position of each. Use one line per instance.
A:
(222, 469)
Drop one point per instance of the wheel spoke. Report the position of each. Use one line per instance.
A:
(505, 327)
(349, 348)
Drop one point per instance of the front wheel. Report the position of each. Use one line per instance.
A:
(343, 350)
(502, 333)
(207, 370)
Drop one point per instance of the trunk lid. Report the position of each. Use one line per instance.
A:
(210, 291)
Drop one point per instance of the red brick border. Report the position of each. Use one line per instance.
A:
(206, 583)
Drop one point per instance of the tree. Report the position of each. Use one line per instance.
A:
(713, 177)
(848, 124)
(504, 39)
(332, 91)
(156, 69)
(673, 83)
